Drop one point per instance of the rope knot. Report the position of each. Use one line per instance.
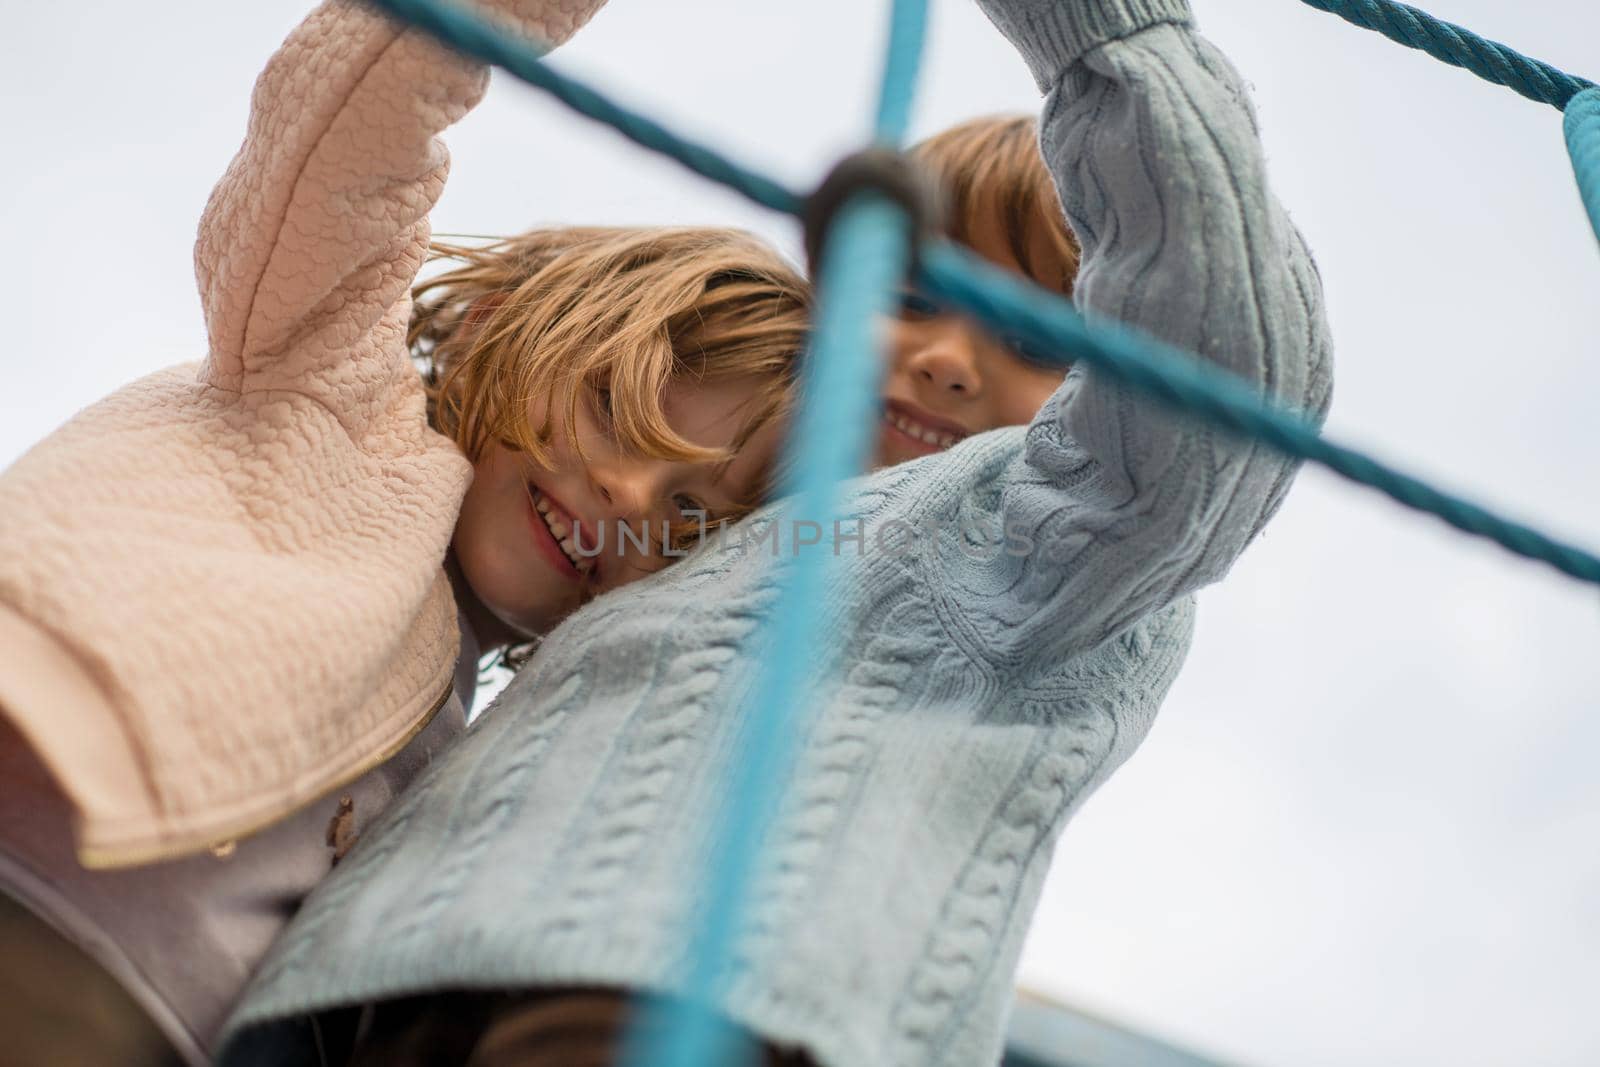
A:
(886, 172)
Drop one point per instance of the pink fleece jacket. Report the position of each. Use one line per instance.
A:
(221, 593)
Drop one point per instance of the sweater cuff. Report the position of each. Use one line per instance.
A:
(1051, 35)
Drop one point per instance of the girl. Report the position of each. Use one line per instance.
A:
(970, 700)
(242, 603)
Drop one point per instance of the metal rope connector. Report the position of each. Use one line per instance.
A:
(880, 170)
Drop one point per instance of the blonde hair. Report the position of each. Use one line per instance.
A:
(990, 171)
(557, 312)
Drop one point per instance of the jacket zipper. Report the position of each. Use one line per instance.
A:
(222, 845)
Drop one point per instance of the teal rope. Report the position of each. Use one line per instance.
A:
(908, 28)
(1459, 47)
(481, 39)
(1582, 127)
(864, 260)
(969, 285)
(1184, 382)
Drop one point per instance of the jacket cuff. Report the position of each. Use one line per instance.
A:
(1051, 35)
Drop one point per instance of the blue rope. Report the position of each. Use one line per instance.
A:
(1185, 382)
(1582, 126)
(481, 39)
(864, 260)
(908, 26)
(1459, 47)
(969, 284)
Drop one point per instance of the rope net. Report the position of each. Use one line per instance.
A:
(864, 260)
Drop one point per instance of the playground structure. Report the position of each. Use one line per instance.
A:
(872, 244)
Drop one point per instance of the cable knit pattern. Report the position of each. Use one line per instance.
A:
(890, 670)
(222, 584)
(965, 944)
(964, 706)
(647, 766)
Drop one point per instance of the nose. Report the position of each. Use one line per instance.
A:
(947, 362)
(628, 487)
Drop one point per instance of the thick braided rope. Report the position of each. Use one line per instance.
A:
(864, 262)
(473, 34)
(1582, 127)
(524, 62)
(1459, 47)
(908, 26)
(1185, 383)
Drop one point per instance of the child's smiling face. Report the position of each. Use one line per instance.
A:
(946, 378)
(521, 524)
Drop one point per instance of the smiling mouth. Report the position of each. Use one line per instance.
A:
(936, 439)
(562, 531)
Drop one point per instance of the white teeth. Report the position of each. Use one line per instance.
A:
(559, 530)
(578, 561)
(918, 432)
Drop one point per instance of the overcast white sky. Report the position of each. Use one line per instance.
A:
(1364, 828)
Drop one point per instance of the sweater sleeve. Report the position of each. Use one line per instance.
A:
(310, 242)
(1154, 149)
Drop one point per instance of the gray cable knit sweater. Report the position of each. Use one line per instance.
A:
(975, 702)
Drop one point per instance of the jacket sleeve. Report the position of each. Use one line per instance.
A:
(310, 242)
(1154, 149)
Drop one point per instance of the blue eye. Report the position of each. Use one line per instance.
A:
(915, 306)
